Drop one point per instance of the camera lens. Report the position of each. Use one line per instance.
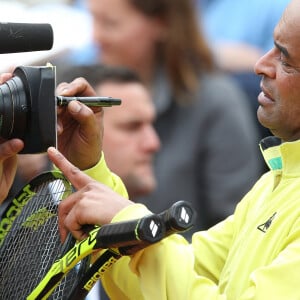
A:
(13, 109)
(28, 108)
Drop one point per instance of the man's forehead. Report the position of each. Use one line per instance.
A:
(287, 31)
(291, 15)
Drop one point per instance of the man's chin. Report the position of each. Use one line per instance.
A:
(139, 185)
(263, 117)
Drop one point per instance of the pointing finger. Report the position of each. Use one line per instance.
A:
(72, 173)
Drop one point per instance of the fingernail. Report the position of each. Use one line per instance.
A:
(64, 91)
(74, 106)
(52, 149)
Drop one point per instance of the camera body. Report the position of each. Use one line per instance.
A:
(28, 108)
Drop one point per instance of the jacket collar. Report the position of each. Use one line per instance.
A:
(281, 156)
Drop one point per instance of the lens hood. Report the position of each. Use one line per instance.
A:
(28, 108)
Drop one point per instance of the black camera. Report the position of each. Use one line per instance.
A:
(27, 102)
(28, 108)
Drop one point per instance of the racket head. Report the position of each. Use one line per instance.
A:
(29, 237)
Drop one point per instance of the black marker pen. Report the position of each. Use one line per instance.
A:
(89, 101)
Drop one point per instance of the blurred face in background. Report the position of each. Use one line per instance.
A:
(130, 141)
(126, 36)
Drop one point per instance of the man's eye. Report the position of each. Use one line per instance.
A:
(283, 60)
(284, 63)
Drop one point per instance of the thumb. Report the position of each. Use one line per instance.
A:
(77, 178)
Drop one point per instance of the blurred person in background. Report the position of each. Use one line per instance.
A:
(130, 140)
(238, 44)
(208, 135)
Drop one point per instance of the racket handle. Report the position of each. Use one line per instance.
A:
(143, 231)
(179, 217)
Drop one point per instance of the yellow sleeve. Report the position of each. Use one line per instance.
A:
(114, 281)
(149, 262)
(101, 173)
(165, 270)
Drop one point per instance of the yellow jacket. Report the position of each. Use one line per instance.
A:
(253, 254)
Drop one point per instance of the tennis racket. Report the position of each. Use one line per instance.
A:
(179, 217)
(133, 234)
(30, 242)
(29, 237)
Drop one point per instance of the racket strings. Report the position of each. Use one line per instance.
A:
(32, 243)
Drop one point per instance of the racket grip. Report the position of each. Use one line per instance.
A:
(143, 231)
(179, 217)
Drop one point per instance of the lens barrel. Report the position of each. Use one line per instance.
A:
(14, 109)
(28, 108)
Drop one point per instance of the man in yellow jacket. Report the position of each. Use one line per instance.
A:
(253, 254)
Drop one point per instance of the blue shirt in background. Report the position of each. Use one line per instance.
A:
(250, 22)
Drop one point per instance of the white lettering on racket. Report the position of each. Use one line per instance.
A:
(13, 211)
(72, 257)
(98, 274)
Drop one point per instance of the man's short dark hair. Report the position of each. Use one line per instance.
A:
(97, 74)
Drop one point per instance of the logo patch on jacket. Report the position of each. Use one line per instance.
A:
(265, 226)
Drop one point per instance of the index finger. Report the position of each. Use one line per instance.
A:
(72, 173)
(78, 87)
